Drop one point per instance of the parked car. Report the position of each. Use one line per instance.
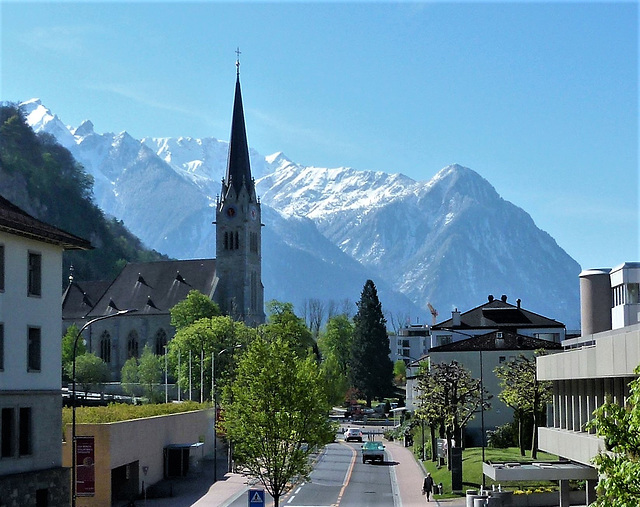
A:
(372, 451)
(353, 434)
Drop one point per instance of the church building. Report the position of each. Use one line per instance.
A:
(233, 280)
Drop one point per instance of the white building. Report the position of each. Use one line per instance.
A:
(411, 343)
(30, 359)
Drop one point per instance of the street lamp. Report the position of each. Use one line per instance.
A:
(215, 407)
(73, 395)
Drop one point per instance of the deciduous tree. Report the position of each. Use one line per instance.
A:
(276, 413)
(67, 348)
(192, 308)
(202, 340)
(527, 396)
(91, 371)
(449, 396)
(619, 466)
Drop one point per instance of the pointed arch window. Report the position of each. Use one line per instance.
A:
(132, 344)
(161, 342)
(105, 347)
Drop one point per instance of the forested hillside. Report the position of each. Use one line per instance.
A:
(42, 178)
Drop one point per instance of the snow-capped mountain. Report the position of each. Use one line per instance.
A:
(449, 241)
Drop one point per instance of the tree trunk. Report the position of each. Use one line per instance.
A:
(521, 435)
(434, 443)
(534, 439)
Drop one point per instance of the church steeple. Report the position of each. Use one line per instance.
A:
(240, 292)
(238, 165)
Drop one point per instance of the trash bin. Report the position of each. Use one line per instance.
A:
(480, 501)
(470, 494)
(494, 501)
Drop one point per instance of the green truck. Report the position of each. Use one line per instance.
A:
(372, 451)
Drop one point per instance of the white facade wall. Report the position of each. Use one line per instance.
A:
(20, 388)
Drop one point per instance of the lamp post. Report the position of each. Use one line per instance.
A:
(215, 407)
(73, 396)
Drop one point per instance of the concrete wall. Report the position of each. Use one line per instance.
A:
(615, 354)
(142, 441)
(576, 446)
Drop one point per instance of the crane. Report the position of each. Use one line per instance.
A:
(434, 314)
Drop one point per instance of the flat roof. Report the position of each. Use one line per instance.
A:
(538, 471)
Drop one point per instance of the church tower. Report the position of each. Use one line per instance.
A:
(240, 292)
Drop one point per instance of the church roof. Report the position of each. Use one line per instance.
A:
(153, 288)
(79, 298)
(238, 164)
(14, 220)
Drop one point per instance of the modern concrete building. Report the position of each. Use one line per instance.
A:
(31, 472)
(122, 459)
(596, 366)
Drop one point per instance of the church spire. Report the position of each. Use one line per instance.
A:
(238, 165)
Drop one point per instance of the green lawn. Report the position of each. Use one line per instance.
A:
(472, 469)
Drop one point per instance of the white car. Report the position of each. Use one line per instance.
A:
(353, 434)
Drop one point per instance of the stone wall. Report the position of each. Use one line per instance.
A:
(22, 490)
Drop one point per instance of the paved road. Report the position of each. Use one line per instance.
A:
(339, 478)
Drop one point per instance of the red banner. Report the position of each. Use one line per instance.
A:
(85, 466)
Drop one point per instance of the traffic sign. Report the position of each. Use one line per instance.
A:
(256, 498)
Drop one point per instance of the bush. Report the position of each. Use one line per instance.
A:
(503, 436)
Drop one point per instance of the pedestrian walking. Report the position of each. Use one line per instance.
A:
(427, 486)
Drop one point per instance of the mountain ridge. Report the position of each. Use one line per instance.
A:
(451, 240)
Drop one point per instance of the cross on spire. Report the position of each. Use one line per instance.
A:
(238, 52)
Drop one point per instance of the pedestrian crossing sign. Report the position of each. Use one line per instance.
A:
(256, 498)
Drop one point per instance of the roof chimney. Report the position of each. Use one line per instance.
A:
(503, 298)
(455, 316)
(490, 298)
(518, 301)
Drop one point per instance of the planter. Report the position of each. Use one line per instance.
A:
(546, 499)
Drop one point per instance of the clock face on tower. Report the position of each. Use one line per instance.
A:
(253, 212)
(231, 211)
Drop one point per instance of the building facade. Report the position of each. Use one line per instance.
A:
(596, 366)
(31, 471)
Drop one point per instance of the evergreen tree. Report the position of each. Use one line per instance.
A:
(371, 366)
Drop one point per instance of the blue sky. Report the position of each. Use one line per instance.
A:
(541, 99)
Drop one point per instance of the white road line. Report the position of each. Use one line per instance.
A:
(291, 499)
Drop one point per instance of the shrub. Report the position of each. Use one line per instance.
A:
(502, 437)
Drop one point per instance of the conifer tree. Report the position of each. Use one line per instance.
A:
(371, 366)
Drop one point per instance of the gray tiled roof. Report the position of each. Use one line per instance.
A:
(498, 313)
(155, 287)
(490, 341)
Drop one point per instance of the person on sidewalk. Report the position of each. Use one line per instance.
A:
(427, 486)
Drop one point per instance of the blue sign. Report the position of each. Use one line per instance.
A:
(256, 498)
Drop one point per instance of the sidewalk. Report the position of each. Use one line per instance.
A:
(409, 475)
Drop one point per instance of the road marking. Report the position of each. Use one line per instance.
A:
(347, 476)
(298, 490)
(291, 499)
